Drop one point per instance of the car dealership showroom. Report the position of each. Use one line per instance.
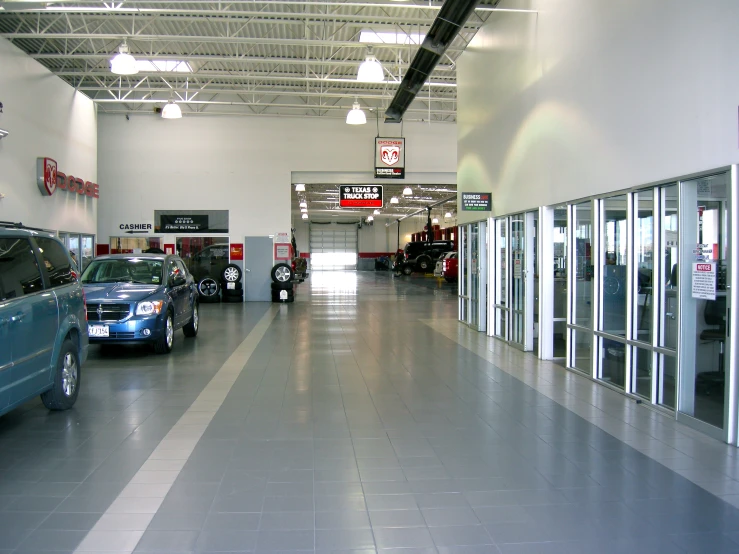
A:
(369, 276)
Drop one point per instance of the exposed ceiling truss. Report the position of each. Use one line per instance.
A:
(247, 57)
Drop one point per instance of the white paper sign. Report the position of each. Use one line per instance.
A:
(704, 281)
(282, 237)
(282, 252)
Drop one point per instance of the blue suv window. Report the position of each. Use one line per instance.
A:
(19, 272)
(57, 262)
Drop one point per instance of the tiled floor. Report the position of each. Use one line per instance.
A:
(360, 418)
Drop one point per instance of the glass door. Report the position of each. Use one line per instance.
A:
(518, 284)
(463, 273)
(473, 318)
(500, 288)
(705, 299)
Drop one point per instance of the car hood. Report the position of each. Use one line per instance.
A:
(117, 292)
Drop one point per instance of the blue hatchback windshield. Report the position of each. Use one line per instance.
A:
(128, 270)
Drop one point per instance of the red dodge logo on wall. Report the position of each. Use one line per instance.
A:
(47, 176)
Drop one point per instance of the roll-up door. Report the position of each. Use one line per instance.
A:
(333, 246)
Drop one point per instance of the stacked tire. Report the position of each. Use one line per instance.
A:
(282, 283)
(232, 290)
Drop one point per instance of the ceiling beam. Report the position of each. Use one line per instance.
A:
(132, 40)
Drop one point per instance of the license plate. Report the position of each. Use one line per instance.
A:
(98, 330)
(231, 286)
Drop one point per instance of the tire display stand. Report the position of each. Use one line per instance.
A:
(232, 290)
(282, 283)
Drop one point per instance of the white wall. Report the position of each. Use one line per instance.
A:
(45, 118)
(591, 96)
(241, 164)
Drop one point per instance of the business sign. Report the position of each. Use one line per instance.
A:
(704, 281)
(49, 179)
(135, 228)
(283, 252)
(363, 196)
(236, 252)
(183, 223)
(389, 158)
(475, 202)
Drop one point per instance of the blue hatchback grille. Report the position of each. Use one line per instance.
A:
(107, 312)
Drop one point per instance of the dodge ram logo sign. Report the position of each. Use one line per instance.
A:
(389, 158)
(390, 155)
(46, 175)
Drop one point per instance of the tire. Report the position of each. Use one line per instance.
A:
(231, 274)
(276, 297)
(164, 344)
(208, 288)
(63, 393)
(191, 329)
(210, 299)
(281, 273)
(288, 285)
(226, 293)
(236, 286)
(407, 269)
(424, 263)
(233, 299)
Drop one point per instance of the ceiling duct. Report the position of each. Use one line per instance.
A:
(452, 16)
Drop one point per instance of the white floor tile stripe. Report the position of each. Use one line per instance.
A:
(121, 527)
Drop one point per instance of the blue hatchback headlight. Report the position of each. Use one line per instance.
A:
(149, 307)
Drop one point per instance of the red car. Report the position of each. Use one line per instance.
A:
(450, 267)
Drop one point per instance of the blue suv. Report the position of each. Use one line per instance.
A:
(43, 327)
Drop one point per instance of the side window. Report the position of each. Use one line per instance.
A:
(57, 261)
(19, 272)
(181, 267)
(172, 269)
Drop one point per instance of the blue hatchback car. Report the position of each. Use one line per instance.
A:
(140, 298)
(43, 333)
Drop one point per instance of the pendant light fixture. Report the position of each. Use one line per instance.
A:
(407, 191)
(304, 210)
(448, 215)
(435, 221)
(394, 200)
(305, 216)
(123, 63)
(370, 71)
(300, 187)
(304, 204)
(356, 115)
(171, 110)
(376, 212)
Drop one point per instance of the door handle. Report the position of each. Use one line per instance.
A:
(247, 270)
(17, 317)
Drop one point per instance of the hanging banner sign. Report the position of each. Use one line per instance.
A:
(475, 202)
(364, 196)
(704, 281)
(389, 158)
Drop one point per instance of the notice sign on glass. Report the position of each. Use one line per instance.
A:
(389, 158)
(183, 223)
(704, 280)
(360, 196)
(475, 202)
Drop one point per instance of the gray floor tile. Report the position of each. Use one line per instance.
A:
(167, 541)
(344, 539)
(283, 540)
(403, 537)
